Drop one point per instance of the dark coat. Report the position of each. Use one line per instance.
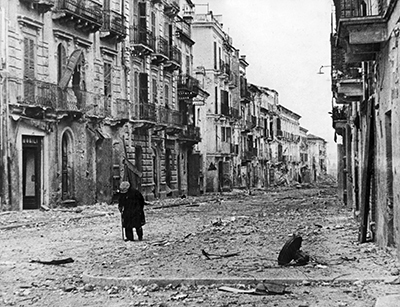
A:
(131, 205)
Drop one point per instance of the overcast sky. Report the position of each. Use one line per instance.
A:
(286, 42)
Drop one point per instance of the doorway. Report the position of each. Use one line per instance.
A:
(389, 178)
(66, 167)
(31, 171)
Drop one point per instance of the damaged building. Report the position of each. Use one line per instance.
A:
(93, 92)
(365, 113)
(98, 91)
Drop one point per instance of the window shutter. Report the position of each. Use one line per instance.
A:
(143, 88)
(29, 68)
(107, 79)
(142, 15)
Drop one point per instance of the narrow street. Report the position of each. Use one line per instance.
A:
(176, 265)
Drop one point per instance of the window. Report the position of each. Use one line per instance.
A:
(216, 100)
(61, 61)
(107, 80)
(143, 88)
(166, 95)
(215, 55)
(142, 16)
(29, 67)
(226, 134)
(153, 23)
(136, 87)
(154, 88)
(187, 65)
(107, 87)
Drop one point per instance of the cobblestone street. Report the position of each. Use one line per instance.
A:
(169, 267)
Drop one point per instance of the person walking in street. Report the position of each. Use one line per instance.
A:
(131, 205)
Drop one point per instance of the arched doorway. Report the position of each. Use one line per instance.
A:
(67, 166)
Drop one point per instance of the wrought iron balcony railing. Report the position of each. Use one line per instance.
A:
(47, 95)
(188, 87)
(357, 8)
(253, 121)
(163, 46)
(175, 55)
(144, 111)
(169, 117)
(225, 110)
(192, 133)
(183, 28)
(114, 23)
(339, 113)
(142, 36)
(122, 109)
(171, 8)
(188, 82)
(90, 11)
(235, 113)
(42, 6)
(225, 68)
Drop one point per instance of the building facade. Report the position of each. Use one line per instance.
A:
(94, 92)
(366, 114)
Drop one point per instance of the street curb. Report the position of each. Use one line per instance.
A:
(162, 282)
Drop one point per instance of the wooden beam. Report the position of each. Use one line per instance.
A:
(366, 175)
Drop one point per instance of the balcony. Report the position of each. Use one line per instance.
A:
(245, 95)
(42, 6)
(248, 155)
(253, 121)
(190, 134)
(339, 118)
(235, 113)
(233, 80)
(144, 115)
(247, 125)
(40, 99)
(175, 59)
(224, 70)
(161, 52)
(347, 85)
(122, 109)
(169, 119)
(142, 41)
(86, 16)
(184, 32)
(113, 26)
(171, 8)
(225, 110)
(188, 87)
(361, 28)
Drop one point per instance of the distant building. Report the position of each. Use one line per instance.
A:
(317, 156)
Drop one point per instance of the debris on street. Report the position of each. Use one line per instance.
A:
(54, 262)
(210, 256)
